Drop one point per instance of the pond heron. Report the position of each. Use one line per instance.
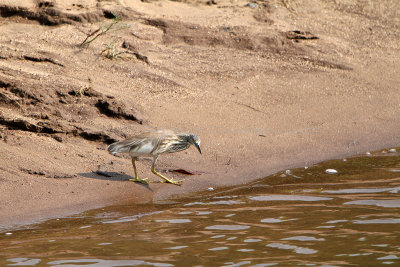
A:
(153, 144)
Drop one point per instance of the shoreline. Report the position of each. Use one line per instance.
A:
(163, 193)
(265, 87)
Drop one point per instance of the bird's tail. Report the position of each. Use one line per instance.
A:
(118, 147)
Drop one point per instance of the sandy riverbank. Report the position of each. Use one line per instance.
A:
(266, 85)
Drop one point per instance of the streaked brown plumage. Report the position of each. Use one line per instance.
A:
(153, 144)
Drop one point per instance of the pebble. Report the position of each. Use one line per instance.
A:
(392, 150)
(331, 171)
(210, 189)
(252, 5)
(368, 153)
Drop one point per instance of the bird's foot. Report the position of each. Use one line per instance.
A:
(142, 181)
(172, 181)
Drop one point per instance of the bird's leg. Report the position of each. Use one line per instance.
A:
(166, 180)
(143, 181)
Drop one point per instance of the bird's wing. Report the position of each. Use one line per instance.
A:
(142, 144)
(123, 146)
(145, 146)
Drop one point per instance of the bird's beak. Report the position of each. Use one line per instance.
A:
(198, 147)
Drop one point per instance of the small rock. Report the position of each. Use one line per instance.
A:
(368, 153)
(392, 150)
(331, 171)
(33, 172)
(61, 175)
(252, 5)
(210, 189)
(300, 35)
(57, 138)
(354, 143)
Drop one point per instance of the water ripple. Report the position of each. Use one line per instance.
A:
(177, 247)
(227, 227)
(175, 220)
(218, 248)
(274, 220)
(131, 218)
(363, 190)
(288, 198)
(303, 238)
(219, 202)
(377, 221)
(24, 261)
(380, 203)
(104, 263)
(252, 240)
(296, 249)
(388, 257)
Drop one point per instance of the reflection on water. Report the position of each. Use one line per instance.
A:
(302, 217)
(376, 202)
(287, 198)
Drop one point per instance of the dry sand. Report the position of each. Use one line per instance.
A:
(267, 85)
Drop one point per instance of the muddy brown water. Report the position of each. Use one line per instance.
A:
(301, 217)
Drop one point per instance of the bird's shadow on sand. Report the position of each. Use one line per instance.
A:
(111, 176)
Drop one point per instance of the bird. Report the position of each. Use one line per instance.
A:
(153, 144)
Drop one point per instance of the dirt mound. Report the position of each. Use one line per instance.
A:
(53, 109)
(51, 13)
(239, 37)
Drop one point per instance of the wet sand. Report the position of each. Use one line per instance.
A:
(267, 87)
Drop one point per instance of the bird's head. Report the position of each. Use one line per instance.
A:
(194, 140)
